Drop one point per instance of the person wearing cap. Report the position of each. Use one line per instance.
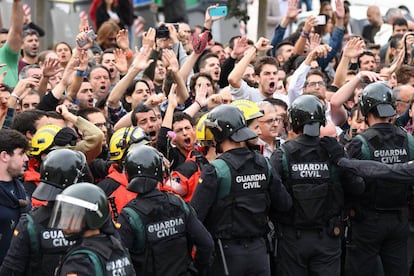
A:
(380, 215)
(309, 234)
(35, 248)
(234, 196)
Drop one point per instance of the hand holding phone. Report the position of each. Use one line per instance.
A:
(321, 19)
(218, 11)
(90, 34)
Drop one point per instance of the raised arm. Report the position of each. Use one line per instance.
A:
(14, 38)
(140, 63)
(352, 49)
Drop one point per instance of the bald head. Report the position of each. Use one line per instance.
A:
(374, 16)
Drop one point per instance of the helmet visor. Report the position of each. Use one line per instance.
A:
(69, 213)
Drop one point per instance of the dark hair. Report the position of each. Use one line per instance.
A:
(395, 40)
(263, 61)
(129, 91)
(194, 79)
(181, 116)
(203, 60)
(64, 43)
(54, 115)
(400, 22)
(364, 53)
(86, 111)
(140, 108)
(277, 102)
(314, 72)
(26, 120)
(11, 139)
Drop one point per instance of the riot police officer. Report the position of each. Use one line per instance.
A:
(114, 184)
(309, 234)
(234, 197)
(35, 248)
(82, 212)
(379, 215)
(158, 227)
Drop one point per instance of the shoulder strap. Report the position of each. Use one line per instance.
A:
(285, 164)
(178, 201)
(138, 227)
(366, 155)
(224, 177)
(31, 229)
(94, 258)
(411, 145)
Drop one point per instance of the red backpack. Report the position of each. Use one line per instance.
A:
(184, 179)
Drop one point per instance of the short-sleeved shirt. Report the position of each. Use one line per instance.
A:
(11, 59)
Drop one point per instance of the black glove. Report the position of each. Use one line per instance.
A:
(65, 137)
(333, 147)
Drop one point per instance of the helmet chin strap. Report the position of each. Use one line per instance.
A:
(76, 236)
(219, 148)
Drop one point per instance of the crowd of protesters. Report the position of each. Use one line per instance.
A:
(104, 96)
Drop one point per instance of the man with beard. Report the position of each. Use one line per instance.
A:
(35, 248)
(266, 70)
(84, 97)
(13, 199)
(30, 48)
(146, 118)
(182, 125)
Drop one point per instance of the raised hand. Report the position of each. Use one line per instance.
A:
(121, 62)
(122, 39)
(354, 47)
(170, 60)
(263, 44)
(141, 60)
(148, 38)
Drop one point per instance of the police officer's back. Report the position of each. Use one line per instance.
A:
(37, 248)
(158, 227)
(235, 195)
(82, 212)
(309, 233)
(383, 204)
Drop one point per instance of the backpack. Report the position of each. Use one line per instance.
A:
(184, 179)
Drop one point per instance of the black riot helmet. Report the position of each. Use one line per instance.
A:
(80, 207)
(227, 122)
(377, 98)
(144, 168)
(60, 169)
(307, 114)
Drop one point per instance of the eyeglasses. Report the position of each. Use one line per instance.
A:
(401, 101)
(271, 121)
(316, 83)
